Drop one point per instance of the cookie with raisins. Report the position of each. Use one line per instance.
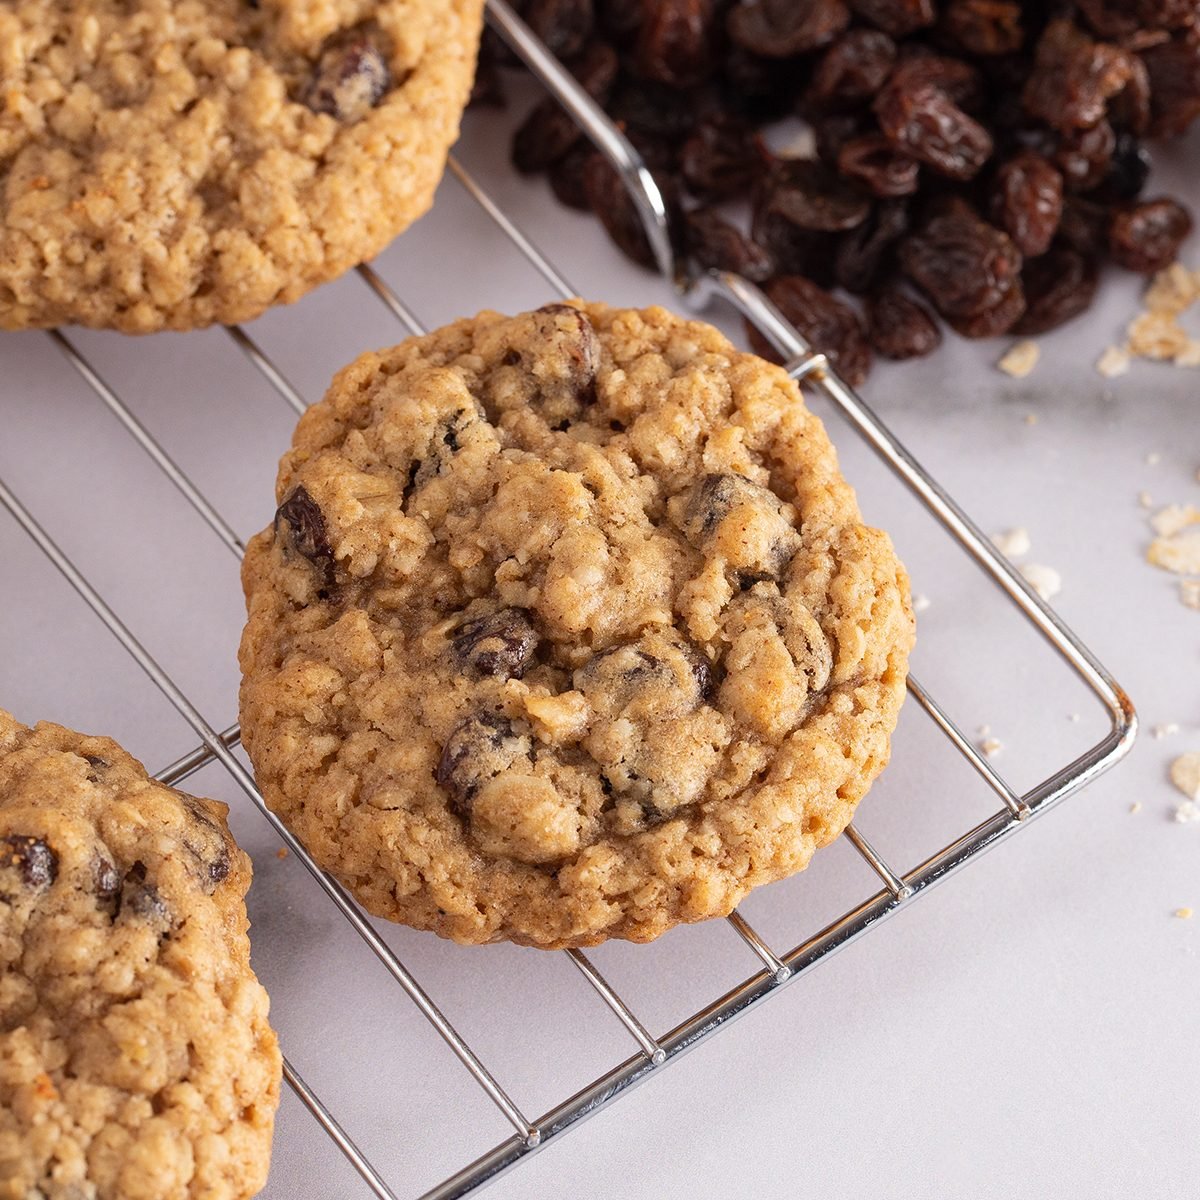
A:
(135, 1055)
(567, 628)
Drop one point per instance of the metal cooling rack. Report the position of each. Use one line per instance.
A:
(778, 969)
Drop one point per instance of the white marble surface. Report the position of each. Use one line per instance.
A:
(1028, 1030)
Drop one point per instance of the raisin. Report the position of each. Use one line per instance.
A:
(720, 159)
(717, 245)
(501, 644)
(620, 19)
(350, 77)
(865, 255)
(1146, 237)
(994, 321)
(781, 28)
(900, 326)
(564, 25)
(1084, 156)
(143, 899)
(300, 529)
(617, 212)
(566, 363)
(761, 88)
(478, 750)
(792, 251)
(1058, 285)
(566, 177)
(33, 860)
(853, 69)
(1174, 69)
(487, 90)
(921, 119)
(962, 82)
(1084, 226)
(897, 17)
(1027, 202)
(834, 131)
(963, 264)
(98, 766)
(1129, 110)
(723, 502)
(1074, 77)
(1128, 173)
(675, 44)
(812, 197)
(873, 161)
(643, 106)
(549, 132)
(107, 883)
(826, 323)
(983, 27)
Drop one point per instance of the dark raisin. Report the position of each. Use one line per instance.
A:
(142, 899)
(1074, 77)
(983, 27)
(33, 860)
(812, 197)
(792, 251)
(1027, 202)
(875, 162)
(994, 321)
(300, 529)
(564, 25)
(1129, 110)
(675, 44)
(1146, 237)
(900, 326)
(549, 132)
(720, 159)
(832, 132)
(572, 340)
(1084, 156)
(829, 326)
(717, 494)
(617, 212)
(620, 19)
(1058, 285)
(960, 80)
(1084, 225)
(1111, 19)
(963, 264)
(1174, 69)
(487, 90)
(501, 644)
(922, 120)
(98, 766)
(566, 177)
(865, 255)
(717, 245)
(897, 17)
(478, 750)
(781, 28)
(350, 77)
(756, 87)
(853, 69)
(643, 106)
(1128, 173)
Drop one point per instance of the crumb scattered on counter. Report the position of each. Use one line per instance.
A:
(1164, 730)
(1113, 362)
(1184, 913)
(282, 853)
(1046, 581)
(1012, 543)
(991, 747)
(1031, 418)
(1153, 458)
(920, 602)
(1135, 808)
(983, 731)
(1158, 336)
(1020, 359)
(1174, 289)
(1074, 718)
(1187, 813)
(1175, 518)
(1179, 553)
(1185, 774)
(1189, 593)
(1145, 500)
(1156, 333)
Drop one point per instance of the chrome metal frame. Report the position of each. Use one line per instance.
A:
(775, 970)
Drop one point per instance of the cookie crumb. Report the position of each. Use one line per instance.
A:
(1179, 554)
(920, 602)
(282, 853)
(1012, 543)
(1031, 418)
(1020, 359)
(1184, 913)
(1175, 518)
(991, 747)
(1174, 289)
(1113, 362)
(1185, 774)
(1153, 458)
(1158, 336)
(1135, 808)
(983, 730)
(1189, 593)
(1145, 499)
(1189, 356)
(1074, 718)
(1164, 730)
(1046, 581)
(1187, 813)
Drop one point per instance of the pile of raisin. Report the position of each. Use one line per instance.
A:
(982, 158)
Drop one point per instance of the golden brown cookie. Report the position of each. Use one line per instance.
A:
(567, 628)
(165, 165)
(136, 1062)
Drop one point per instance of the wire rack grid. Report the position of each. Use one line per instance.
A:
(776, 969)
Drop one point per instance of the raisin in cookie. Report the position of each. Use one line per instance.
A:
(136, 1062)
(567, 628)
(167, 164)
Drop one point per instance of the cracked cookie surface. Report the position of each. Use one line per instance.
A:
(167, 165)
(567, 628)
(136, 1061)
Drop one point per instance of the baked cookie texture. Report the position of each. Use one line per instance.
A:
(567, 628)
(166, 165)
(136, 1062)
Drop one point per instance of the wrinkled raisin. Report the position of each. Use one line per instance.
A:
(875, 162)
(1074, 77)
(829, 325)
(1128, 173)
(984, 27)
(994, 321)
(792, 251)
(501, 644)
(716, 244)
(900, 326)
(34, 862)
(853, 69)
(643, 106)
(1174, 69)
(756, 87)
(781, 28)
(1027, 202)
(1058, 285)
(564, 25)
(620, 19)
(897, 17)
(720, 159)
(812, 197)
(865, 255)
(1146, 237)
(1084, 225)
(350, 77)
(611, 202)
(300, 529)
(834, 131)
(1084, 156)
(922, 120)
(478, 750)
(675, 44)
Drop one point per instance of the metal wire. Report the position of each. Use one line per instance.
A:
(805, 363)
